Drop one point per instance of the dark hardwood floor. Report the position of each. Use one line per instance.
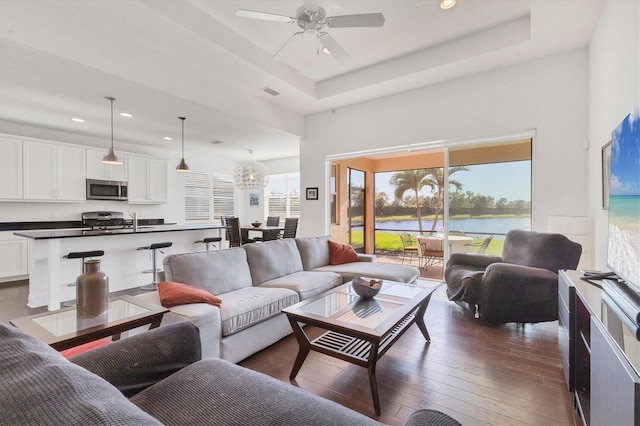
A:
(479, 374)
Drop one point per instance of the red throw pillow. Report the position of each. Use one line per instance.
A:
(341, 253)
(172, 294)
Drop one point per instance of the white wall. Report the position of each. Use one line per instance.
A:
(614, 90)
(172, 211)
(548, 95)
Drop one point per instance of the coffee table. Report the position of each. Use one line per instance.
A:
(359, 330)
(62, 330)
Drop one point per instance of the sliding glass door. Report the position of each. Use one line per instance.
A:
(355, 214)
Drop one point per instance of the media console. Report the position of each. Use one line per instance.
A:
(600, 353)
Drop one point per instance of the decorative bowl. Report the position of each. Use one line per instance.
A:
(256, 224)
(366, 287)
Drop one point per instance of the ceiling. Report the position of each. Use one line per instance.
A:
(197, 59)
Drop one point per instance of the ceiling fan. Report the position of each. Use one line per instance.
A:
(313, 19)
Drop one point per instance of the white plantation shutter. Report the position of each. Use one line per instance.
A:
(282, 195)
(224, 196)
(208, 196)
(197, 201)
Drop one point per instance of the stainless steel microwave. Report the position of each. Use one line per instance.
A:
(107, 190)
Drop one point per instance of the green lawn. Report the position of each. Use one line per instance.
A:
(389, 242)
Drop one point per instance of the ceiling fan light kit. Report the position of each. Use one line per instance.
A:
(313, 21)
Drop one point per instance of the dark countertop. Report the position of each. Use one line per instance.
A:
(76, 233)
(64, 224)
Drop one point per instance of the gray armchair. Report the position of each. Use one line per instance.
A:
(521, 286)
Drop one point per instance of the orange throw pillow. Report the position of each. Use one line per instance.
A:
(172, 294)
(341, 253)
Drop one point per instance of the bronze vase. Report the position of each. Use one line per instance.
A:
(92, 291)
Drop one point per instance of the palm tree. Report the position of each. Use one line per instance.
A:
(435, 181)
(417, 179)
(410, 180)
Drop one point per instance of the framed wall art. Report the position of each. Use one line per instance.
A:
(606, 174)
(312, 193)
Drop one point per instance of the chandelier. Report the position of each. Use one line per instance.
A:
(251, 176)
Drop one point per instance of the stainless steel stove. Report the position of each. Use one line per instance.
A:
(102, 220)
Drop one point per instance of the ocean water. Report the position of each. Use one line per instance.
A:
(623, 247)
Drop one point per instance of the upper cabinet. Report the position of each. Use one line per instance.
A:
(147, 180)
(53, 172)
(10, 168)
(96, 169)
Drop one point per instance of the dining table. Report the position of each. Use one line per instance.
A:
(268, 232)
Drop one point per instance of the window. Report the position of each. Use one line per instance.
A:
(333, 192)
(282, 195)
(208, 196)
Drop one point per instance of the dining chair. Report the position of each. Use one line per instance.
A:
(271, 235)
(232, 225)
(290, 227)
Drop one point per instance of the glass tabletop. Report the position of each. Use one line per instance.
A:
(65, 322)
(345, 305)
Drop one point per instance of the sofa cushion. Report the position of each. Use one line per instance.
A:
(314, 251)
(39, 386)
(217, 271)
(217, 392)
(273, 259)
(250, 305)
(349, 271)
(341, 253)
(306, 283)
(173, 294)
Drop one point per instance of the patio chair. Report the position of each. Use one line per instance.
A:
(409, 246)
(430, 250)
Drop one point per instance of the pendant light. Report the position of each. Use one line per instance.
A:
(111, 157)
(182, 166)
(251, 176)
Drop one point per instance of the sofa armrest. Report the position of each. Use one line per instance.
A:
(135, 363)
(474, 260)
(362, 257)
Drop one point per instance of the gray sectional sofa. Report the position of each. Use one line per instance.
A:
(255, 282)
(156, 378)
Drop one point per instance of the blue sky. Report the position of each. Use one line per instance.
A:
(625, 156)
(509, 180)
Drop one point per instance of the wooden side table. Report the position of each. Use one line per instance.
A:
(61, 330)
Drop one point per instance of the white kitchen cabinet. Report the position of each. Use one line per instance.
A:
(147, 180)
(10, 168)
(96, 169)
(13, 257)
(53, 172)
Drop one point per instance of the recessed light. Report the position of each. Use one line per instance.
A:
(168, 138)
(78, 119)
(326, 50)
(126, 114)
(447, 4)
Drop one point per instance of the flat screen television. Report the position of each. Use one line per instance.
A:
(623, 243)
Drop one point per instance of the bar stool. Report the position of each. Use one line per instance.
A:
(210, 240)
(80, 255)
(153, 247)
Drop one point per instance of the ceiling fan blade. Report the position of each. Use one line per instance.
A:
(332, 46)
(244, 13)
(275, 55)
(360, 20)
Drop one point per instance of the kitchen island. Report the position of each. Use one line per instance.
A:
(51, 277)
